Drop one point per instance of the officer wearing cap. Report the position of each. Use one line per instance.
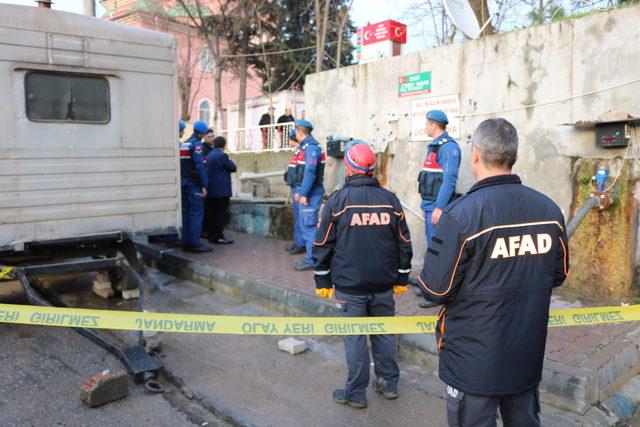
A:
(194, 189)
(363, 248)
(295, 168)
(439, 175)
(309, 188)
(496, 255)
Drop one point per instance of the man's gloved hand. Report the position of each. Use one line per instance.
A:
(399, 290)
(325, 293)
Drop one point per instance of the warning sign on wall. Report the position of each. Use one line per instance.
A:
(450, 104)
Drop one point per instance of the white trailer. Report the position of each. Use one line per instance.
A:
(88, 129)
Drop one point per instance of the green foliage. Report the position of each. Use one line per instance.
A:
(293, 25)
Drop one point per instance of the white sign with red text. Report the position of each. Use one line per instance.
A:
(449, 104)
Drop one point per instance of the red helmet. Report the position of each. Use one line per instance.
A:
(359, 158)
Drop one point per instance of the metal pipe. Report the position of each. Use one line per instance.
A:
(591, 203)
(90, 7)
(408, 208)
(251, 175)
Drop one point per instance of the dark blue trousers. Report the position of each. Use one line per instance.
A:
(383, 347)
(192, 215)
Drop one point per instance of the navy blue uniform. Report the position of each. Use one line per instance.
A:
(496, 255)
(438, 178)
(219, 169)
(310, 185)
(363, 247)
(291, 179)
(193, 179)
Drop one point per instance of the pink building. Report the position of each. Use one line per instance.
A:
(194, 59)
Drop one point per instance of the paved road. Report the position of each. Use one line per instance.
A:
(41, 371)
(249, 379)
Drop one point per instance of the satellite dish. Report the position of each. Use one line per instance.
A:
(463, 17)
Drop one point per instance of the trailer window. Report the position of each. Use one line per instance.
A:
(55, 97)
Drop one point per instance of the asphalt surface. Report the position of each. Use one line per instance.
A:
(42, 370)
(249, 380)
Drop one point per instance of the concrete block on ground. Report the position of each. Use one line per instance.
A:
(104, 293)
(104, 388)
(292, 345)
(131, 293)
(102, 286)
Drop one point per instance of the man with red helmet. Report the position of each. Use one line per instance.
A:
(363, 248)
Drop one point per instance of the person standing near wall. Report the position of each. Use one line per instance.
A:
(310, 188)
(266, 119)
(287, 117)
(294, 168)
(207, 143)
(439, 176)
(207, 147)
(219, 170)
(194, 189)
(363, 247)
(497, 254)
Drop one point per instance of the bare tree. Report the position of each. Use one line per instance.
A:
(221, 31)
(322, 21)
(163, 22)
(343, 18)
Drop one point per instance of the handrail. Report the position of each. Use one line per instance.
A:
(256, 139)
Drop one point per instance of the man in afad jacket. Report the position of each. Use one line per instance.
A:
(496, 255)
(309, 188)
(363, 248)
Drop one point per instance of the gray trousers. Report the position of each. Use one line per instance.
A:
(521, 410)
(383, 347)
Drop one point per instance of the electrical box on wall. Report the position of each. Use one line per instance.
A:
(336, 145)
(612, 135)
(612, 129)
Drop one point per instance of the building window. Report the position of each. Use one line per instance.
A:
(204, 112)
(206, 59)
(60, 97)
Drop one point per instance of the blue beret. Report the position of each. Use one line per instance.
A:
(181, 125)
(437, 116)
(292, 134)
(305, 123)
(200, 127)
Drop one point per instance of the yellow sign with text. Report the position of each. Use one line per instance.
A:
(254, 325)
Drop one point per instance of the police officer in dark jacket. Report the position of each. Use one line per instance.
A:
(194, 189)
(363, 248)
(497, 254)
(309, 188)
(219, 170)
(291, 179)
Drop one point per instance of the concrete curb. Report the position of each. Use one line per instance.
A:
(567, 387)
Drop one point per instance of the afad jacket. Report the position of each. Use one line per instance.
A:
(363, 243)
(497, 253)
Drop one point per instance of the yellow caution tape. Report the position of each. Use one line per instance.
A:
(6, 272)
(254, 325)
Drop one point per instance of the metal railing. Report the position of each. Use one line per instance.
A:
(257, 139)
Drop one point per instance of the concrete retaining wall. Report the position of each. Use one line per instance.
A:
(273, 187)
(538, 78)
